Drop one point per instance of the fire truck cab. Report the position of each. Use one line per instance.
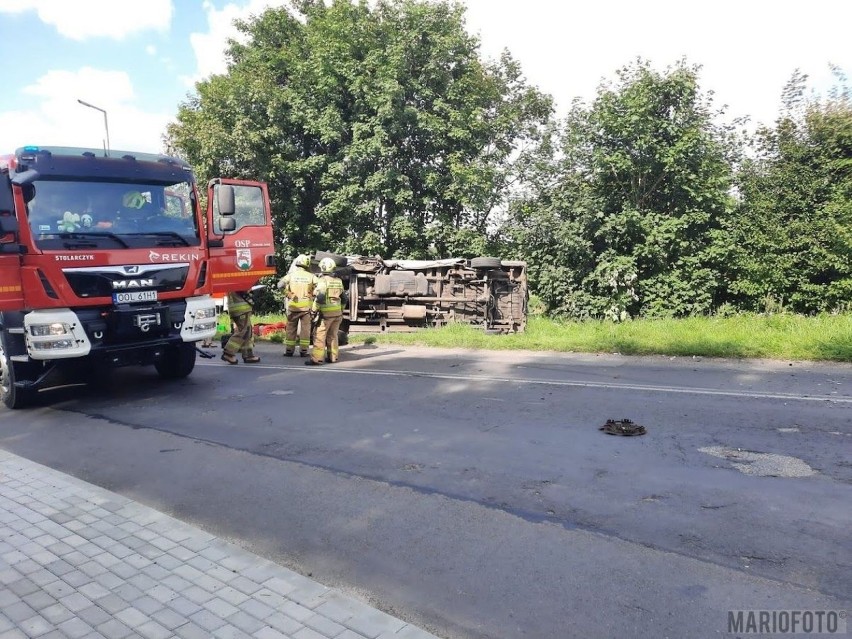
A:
(107, 259)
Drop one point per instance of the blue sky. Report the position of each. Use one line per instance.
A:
(135, 59)
(138, 59)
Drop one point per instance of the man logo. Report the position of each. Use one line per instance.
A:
(126, 284)
(131, 270)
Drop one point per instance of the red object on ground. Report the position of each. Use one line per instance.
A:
(264, 330)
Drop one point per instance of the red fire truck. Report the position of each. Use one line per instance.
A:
(107, 259)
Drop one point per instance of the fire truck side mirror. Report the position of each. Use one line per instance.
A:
(29, 192)
(7, 200)
(8, 223)
(225, 199)
(227, 206)
(8, 232)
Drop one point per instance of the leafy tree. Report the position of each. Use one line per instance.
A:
(379, 129)
(791, 235)
(622, 221)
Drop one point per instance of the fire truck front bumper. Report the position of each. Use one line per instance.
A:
(63, 333)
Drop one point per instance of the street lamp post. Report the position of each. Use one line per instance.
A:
(106, 124)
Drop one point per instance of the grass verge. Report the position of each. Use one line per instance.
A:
(824, 337)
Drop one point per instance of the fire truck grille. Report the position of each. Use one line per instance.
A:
(105, 280)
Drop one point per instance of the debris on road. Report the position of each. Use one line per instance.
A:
(203, 354)
(624, 427)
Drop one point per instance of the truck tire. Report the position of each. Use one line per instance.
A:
(342, 337)
(12, 396)
(485, 262)
(339, 260)
(177, 361)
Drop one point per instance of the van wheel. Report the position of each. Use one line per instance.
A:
(339, 260)
(13, 397)
(177, 361)
(485, 262)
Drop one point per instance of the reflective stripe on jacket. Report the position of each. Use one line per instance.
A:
(329, 294)
(238, 304)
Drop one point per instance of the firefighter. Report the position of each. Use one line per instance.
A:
(242, 341)
(298, 286)
(328, 303)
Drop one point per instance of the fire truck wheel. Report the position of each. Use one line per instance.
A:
(177, 362)
(342, 338)
(12, 396)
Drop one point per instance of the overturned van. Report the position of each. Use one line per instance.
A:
(407, 295)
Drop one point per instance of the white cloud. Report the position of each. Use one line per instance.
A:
(62, 121)
(84, 19)
(748, 50)
(209, 46)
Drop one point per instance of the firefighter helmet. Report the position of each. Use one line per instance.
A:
(302, 260)
(327, 265)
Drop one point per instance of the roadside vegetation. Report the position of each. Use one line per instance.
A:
(650, 220)
(782, 336)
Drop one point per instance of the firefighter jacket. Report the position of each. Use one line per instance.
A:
(238, 304)
(298, 286)
(329, 297)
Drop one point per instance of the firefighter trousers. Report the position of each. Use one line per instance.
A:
(325, 341)
(298, 331)
(242, 341)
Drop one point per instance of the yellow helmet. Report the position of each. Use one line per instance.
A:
(327, 265)
(302, 260)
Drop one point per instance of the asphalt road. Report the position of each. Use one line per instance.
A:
(472, 493)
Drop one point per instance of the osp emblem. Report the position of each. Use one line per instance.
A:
(243, 259)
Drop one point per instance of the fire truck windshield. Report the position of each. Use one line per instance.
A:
(69, 214)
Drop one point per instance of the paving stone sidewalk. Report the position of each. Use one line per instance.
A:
(80, 561)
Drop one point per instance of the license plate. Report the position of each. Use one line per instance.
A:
(130, 297)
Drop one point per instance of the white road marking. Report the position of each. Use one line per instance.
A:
(683, 390)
